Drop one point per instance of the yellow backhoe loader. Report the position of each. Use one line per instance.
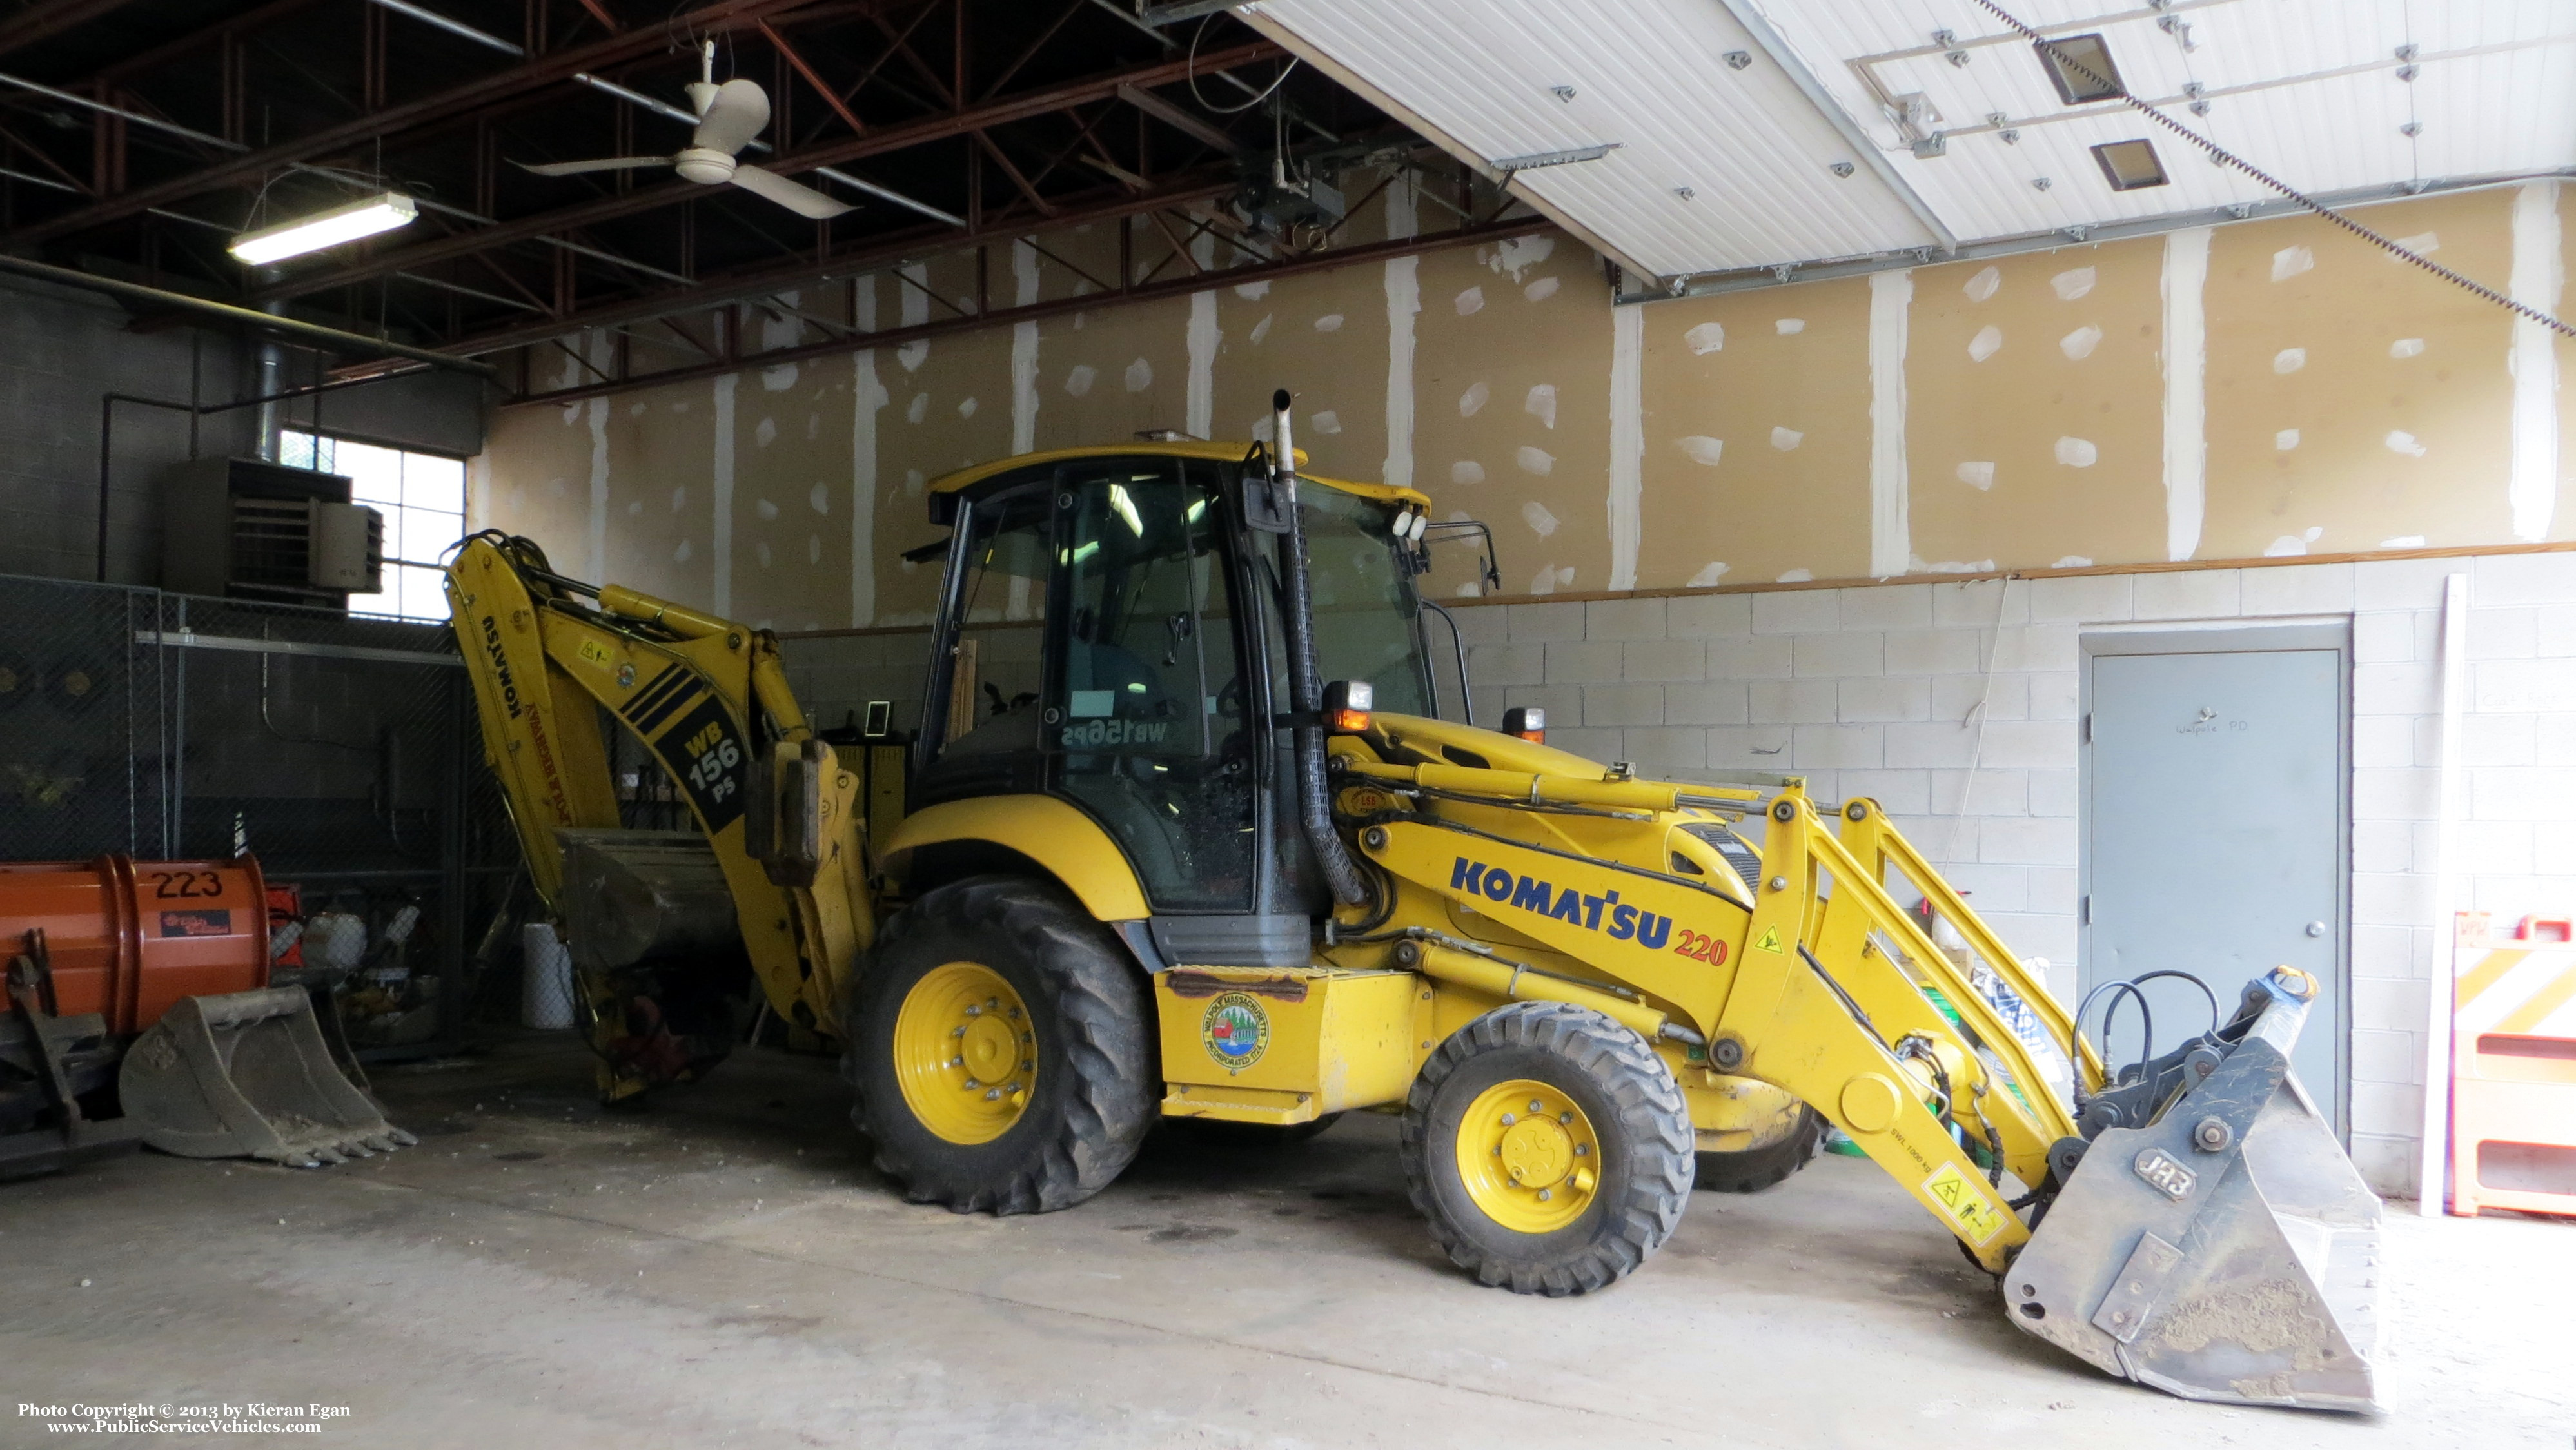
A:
(1181, 834)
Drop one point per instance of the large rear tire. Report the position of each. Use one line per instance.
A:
(1755, 1169)
(1002, 1045)
(1548, 1147)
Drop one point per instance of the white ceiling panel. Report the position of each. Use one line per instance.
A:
(2330, 96)
(1650, 76)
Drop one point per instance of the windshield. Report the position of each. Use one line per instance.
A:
(1365, 608)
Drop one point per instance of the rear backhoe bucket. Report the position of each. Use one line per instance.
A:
(248, 1075)
(2227, 1250)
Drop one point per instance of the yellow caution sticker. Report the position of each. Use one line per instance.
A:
(1769, 941)
(594, 652)
(1978, 1217)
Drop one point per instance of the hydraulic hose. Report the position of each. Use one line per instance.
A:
(1305, 679)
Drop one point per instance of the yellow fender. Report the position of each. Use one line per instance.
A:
(1069, 844)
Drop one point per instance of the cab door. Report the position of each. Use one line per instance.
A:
(1150, 718)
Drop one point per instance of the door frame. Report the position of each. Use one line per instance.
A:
(2235, 637)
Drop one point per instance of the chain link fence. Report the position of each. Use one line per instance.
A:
(342, 752)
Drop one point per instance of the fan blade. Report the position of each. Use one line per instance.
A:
(606, 163)
(739, 111)
(796, 196)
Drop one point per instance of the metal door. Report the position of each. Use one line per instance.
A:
(2214, 828)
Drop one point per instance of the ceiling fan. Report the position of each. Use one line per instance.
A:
(729, 117)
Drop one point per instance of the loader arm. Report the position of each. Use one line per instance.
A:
(708, 699)
(1814, 985)
(2197, 1228)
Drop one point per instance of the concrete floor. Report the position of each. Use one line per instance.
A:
(722, 1268)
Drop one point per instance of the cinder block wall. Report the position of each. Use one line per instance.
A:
(1955, 705)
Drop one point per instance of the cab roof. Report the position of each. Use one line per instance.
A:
(1221, 452)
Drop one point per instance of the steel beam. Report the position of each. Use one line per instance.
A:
(38, 22)
(720, 18)
(1178, 119)
(716, 291)
(1089, 302)
(335, 339)
(876, 143)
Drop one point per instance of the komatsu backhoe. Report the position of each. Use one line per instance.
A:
(1181, 834)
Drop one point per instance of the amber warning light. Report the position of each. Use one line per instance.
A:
(1526, 722)
(1346, 706)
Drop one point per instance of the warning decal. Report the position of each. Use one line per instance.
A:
(1769, 941)
(1977, 1216)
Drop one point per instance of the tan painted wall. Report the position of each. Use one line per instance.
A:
(1756, 413)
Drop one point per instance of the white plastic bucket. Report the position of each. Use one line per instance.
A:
(545, 983)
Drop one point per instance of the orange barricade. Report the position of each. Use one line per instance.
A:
(2513, 1067)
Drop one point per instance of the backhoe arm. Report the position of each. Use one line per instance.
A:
(708, 699)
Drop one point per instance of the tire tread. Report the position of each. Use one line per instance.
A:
(1649, 1110)
(1108, 1044)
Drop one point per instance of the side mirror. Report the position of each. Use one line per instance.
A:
(1263, 509)
(782, 820)
(1346, 706)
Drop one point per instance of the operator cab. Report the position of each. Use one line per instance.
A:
(1110, 634)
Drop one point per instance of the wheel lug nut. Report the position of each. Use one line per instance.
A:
(956, 1031)
(1508, 1120)
(956, 1062)
(1534, 1105)
(1544, 1195)
(974, 1011)
(993, 1096)
(971, 1084)
(1581, 1149)
(1566, 1118)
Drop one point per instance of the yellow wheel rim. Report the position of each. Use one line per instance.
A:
(1528, 1156)
(965, 1052)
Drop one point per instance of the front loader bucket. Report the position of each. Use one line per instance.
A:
(248, 1075)
(2227, 1250)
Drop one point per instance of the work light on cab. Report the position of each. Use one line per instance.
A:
(1346, 706)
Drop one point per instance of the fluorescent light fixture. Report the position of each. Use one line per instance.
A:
(361, 218)
(1538, 159)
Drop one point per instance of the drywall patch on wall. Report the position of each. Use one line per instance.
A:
(2186, 364)
(2538, 276)
(1891, 544)
(1200, 404)
(1024, 349)
(1403, 209)
(723, 489)
(1403, 303)
(867, 395)
(912, 286)
(779, 330)
(1627, 439)
(597, 537)
(602, 354)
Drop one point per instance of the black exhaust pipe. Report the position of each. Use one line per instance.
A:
(1305, 678)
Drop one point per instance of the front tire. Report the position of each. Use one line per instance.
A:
(1548, 1147)
(1002, 1045)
